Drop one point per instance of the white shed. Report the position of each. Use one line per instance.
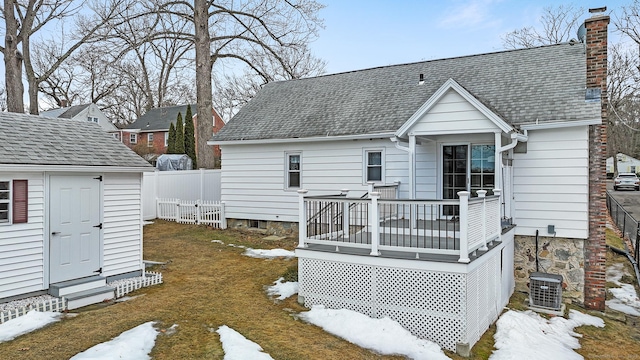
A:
(70, 209)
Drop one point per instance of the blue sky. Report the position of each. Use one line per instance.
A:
(362, 34)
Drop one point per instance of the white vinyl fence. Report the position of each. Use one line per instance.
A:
(192, 212)
(189, 185)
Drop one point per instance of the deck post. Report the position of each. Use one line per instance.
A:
(370, 185)
(498, 193)
(345, 214)
(302, 218)
(482, 194)
(464, 227)
(223, 216)
(375, 223)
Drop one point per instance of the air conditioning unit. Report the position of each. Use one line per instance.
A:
(545, 291)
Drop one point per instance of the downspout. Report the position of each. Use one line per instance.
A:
(515, 138)
(407, 149)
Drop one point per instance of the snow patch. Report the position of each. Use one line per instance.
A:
(237, 347)
(383, 336)
(283, 289)
(526, 335)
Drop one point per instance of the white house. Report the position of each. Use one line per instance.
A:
(85, 112)
(418, 188)
(626, 163)
(70, 209)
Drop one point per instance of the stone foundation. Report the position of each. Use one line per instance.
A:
(281, 228)
(556, 256)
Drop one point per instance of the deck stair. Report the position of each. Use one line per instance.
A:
(83, 292)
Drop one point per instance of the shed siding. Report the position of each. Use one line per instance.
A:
(452, 113)
(253, 176)
(551, 183)
(122, 223)
(22, 245)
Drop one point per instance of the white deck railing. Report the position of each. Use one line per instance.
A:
(445, 227)
(192, 212)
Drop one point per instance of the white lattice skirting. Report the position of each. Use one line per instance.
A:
(60, 304)
(447, 303)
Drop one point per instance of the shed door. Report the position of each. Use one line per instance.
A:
(74, 222)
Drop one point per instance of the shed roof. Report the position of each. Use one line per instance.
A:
(35, 140)
(159, 119)
(542, 84)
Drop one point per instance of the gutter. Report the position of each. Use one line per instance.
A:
(75, 168)
(303, 139)
(515, 138)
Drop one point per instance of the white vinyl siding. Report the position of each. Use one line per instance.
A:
(21, 245)
(253, 177)
(452, 113)
(551, 185)
(122, 226)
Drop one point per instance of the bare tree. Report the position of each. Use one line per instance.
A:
(24, 18)
(243, 34)
(558, 24)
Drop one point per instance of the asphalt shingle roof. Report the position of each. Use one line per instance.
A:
(543, 84)
(159, 119)
(35, 140)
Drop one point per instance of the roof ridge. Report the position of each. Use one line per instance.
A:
(429, 61)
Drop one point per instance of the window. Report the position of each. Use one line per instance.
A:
(116, 136)
(14, 201)
(5, 201)
(92, 119)
(133, 138)
(293, 170)
(166, 139)
(483, 164)
(150, 139)
(374, 166)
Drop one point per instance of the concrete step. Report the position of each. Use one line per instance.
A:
(89, 297)
(73, 286)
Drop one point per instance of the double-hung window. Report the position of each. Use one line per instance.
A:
(374, 166)
(150, 139)
(293, 170)
(14, 201)
(166, 138)
(133, 138)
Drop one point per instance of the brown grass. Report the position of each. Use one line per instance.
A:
(207, 285)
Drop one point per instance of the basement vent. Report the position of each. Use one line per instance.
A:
(545, 291)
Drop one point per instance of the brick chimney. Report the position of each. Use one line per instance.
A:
(595, 247)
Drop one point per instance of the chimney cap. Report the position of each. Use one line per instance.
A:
(598, 10)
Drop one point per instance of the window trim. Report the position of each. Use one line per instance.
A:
(149, 139)
(365, 165)
(16, 201)
(133, 138)
(287, 171)
(7, 201)
(166, 138)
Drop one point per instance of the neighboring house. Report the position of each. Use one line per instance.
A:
(625, 164)
(86, 112)
(70, 209)
(423, 244)
(151, 130)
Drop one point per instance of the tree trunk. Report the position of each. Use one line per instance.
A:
(204, 63)
(12, 61)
